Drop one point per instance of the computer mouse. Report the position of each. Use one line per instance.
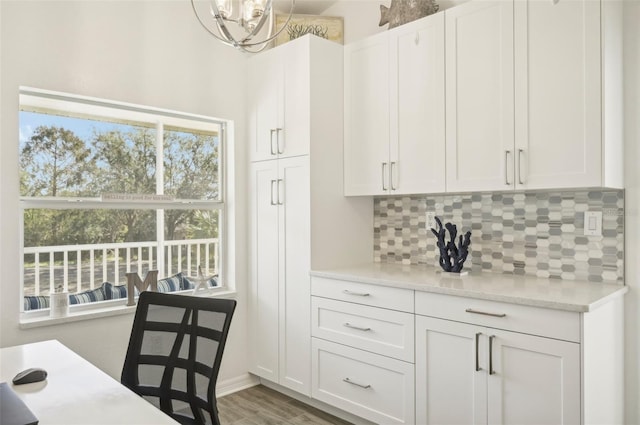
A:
(34, 374)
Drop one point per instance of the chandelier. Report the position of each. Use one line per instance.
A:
(244, 31)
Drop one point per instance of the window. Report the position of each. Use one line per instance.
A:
(110, 188)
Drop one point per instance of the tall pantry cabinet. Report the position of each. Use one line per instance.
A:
(298, 216)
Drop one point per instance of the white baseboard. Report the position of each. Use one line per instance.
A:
(238, 383)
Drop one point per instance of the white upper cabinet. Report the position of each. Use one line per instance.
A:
(558, 93)
(533, 95)
(366, 125)
(480, 135)
(394, 111)
(417, 135)
(278, 82)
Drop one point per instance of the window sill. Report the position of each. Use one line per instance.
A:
(81, 312)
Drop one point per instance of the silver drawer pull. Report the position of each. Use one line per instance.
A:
(349, 325)
(470, 310)
(360, 294)
(349, 381)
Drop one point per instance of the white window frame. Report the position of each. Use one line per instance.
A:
(76, 105)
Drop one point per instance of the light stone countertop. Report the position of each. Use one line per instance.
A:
(568, 295)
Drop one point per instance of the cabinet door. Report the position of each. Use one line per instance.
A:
(479, 74)
(366, 145)
(417, 148)
(263, 294)
(534, 380)
(294, 124)
(265, 76)
(295, 284)
(558, 93)
(450, 372)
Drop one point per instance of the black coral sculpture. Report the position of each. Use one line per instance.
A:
(452, 257)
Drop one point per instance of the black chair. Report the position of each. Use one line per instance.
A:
(175, 352)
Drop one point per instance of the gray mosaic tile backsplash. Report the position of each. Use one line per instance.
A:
(532, 233)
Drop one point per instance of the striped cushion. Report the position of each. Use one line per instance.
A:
(88, 296)
(170, 284)
(187, 283)
(114, 292)
(35, 302)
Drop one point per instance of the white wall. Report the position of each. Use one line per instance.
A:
(144, 52)
(632, 208)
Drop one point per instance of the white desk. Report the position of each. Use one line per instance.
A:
(75, 391)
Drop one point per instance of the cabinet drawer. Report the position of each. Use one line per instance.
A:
(381, 331)
(363, 293)
(373, 387)
(557, 324)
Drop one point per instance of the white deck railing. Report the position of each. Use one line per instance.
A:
(80, 267)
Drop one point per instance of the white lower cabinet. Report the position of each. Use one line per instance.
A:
(476, 361)
(449, 389)
(532, 380)
(380, 331)
(371, 386)
(362, 354)
(476, 375)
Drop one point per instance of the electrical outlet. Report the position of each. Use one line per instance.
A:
(593, 223)
(431, 219)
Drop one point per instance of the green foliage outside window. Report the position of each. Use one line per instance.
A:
(114, 158)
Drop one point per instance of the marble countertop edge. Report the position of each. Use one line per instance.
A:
(556, 294)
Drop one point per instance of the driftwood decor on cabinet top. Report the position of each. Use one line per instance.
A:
(403, 11)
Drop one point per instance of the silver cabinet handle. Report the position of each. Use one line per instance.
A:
(520, 166)
(280, 184)
(393, 165)
(384, 181)
(491, 371)
(272, 183)
(470, 310)
(349, 325)
(278, 130)
(271, 141)
(349, 381)
(506, 167)
(477, 356)
(360, 294)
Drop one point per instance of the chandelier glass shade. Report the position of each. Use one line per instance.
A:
(241, 23)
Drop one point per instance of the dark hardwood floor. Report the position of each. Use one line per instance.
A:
(260, 405)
